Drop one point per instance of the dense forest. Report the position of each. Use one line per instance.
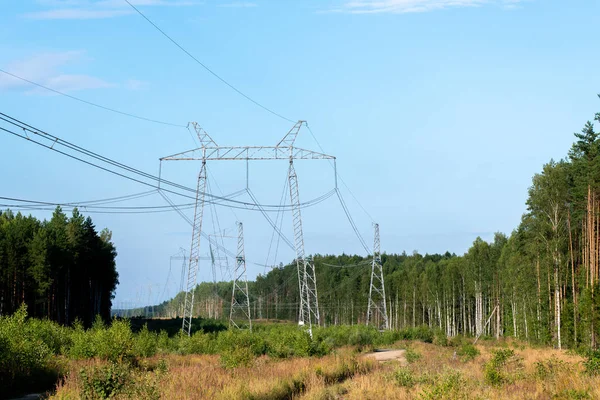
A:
(539, 284)
(62, 269)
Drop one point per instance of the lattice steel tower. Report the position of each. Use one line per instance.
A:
(377, 307)
(284, 150)
(240, 302)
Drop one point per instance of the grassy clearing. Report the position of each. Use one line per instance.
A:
(280, 362)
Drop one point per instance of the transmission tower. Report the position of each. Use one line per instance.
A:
(240, 302)
(284, 150)
(377, 308)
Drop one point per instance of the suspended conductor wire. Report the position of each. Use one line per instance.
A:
(338, 175)
(347, 212)
(207, 68)
(55, 140)
(274, 230)
(90, 103)
(273, 225)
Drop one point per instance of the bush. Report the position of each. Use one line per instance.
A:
(493, 370)
(592, 363)
(449, 385)
(412, 355)
(198, 343)
(290, 343)
(25, 358)
(404, 377)
(145, 343)
(115, 343)
(550, 367)
(105, 381)
(237, 357)
(467, 352)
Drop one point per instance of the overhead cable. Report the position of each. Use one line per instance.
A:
(90, 103)
(206, 67)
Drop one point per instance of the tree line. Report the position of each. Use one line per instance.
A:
(62, 269)
(540, 283)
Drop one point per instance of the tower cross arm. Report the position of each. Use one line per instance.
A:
(248, 153)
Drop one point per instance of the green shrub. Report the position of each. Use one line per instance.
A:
(115, 343)
(25, 359)
(145, 343)
(103, 382)
(289, 343)
(549, 368)
(404, 377)
(237, 357)
(592, 363)
(412, 355)
(467, 352)
(449, 385)
(493, 369)
(440, 338)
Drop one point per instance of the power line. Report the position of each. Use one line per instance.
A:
(207, 68)
(339, 176)
(92, 104)
(56, 141)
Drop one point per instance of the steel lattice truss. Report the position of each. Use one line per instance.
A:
(377, 308)
(240, 302)
(284, 150)
(192, 277)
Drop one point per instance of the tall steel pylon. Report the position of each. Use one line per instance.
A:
(284, 150)
(377, 304)
(192, 276)
(307, 281)
(240, 302)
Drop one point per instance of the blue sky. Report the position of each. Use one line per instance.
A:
(438, 111)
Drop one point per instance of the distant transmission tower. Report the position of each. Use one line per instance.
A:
(284, 150)
(240, 302)
(377, 304)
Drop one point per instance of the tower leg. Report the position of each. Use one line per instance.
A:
(194, 260)
(307, 282)
(240, 285)
(377, 307)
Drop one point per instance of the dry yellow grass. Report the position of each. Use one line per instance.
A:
(203, 377)
(532, 373)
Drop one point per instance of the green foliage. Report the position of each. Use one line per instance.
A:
(61, 268)
(545, 369)
(105, 381)
(412, 355)
(198, 343)
(114, 343)
(467, 352)
(494, 373)
(289, 343)
(145, 343)
(237, 357)
(449, 385)
(592, 363)
(26, 348)
(404, 377)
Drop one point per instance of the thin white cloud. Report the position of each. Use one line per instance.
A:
(45, 69)
(95, 9)
(411, 6)
(76, 13)
(239, 4)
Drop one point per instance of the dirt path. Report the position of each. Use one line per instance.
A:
(388, 355)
